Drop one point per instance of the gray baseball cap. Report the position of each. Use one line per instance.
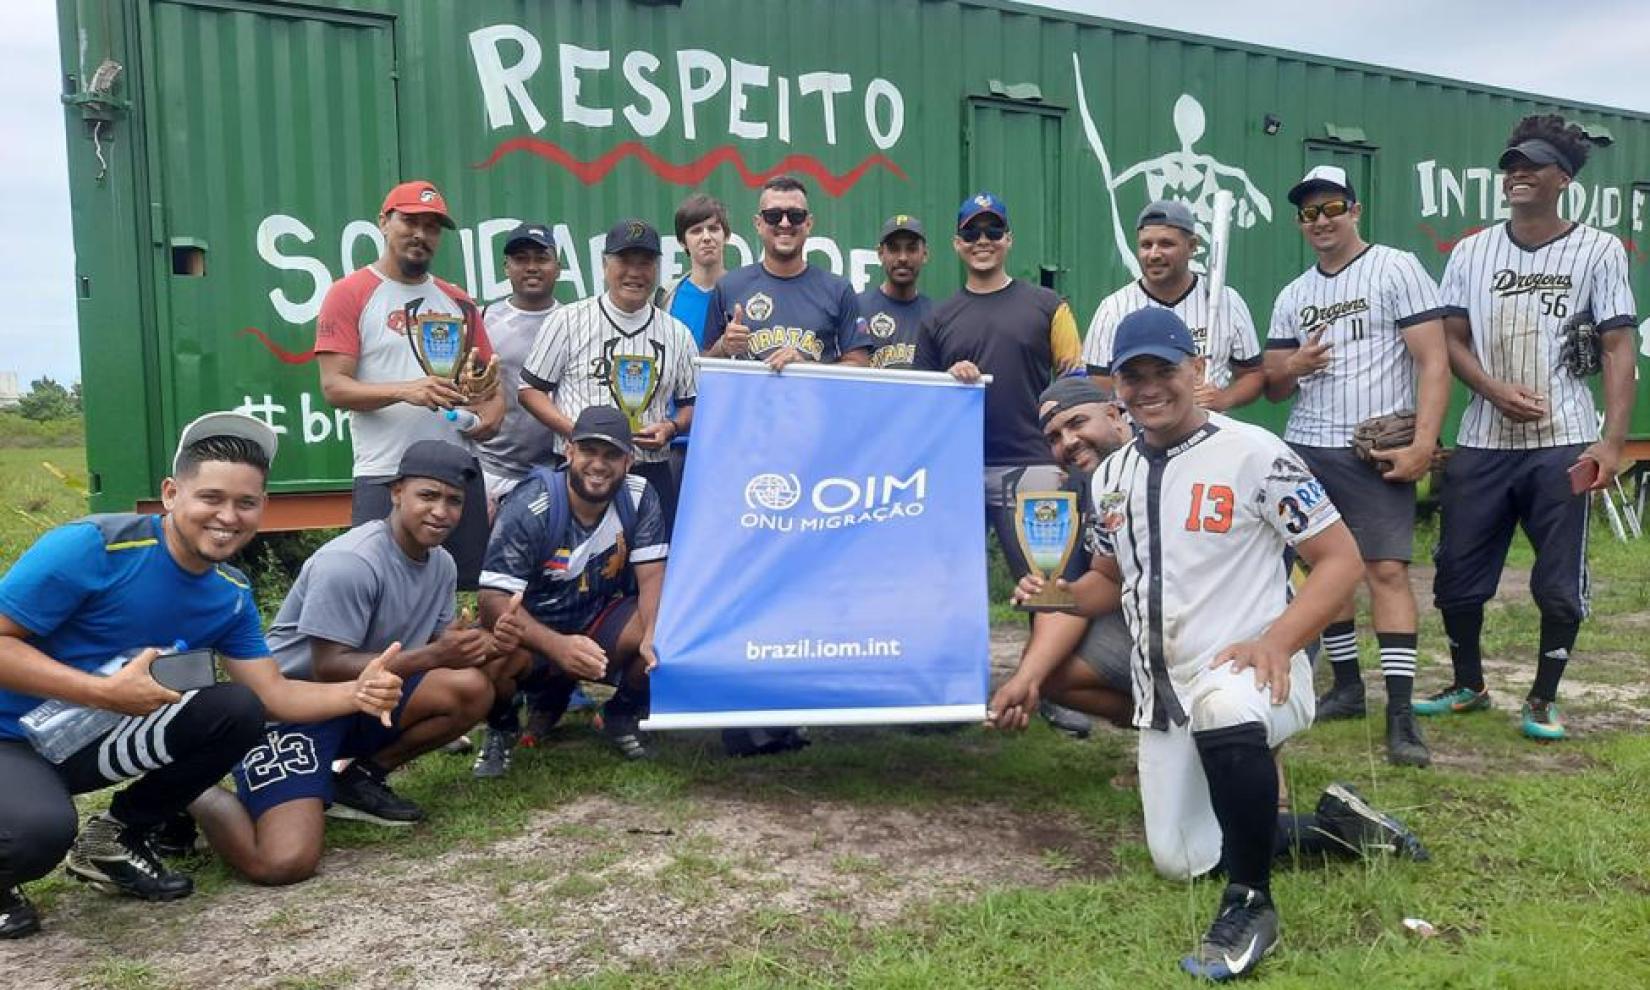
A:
(227, 424)
(1167, 213)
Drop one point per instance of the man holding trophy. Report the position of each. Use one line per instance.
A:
(618, 349)
(406, 353)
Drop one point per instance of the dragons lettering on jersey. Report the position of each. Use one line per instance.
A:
(1314, 315)
(1507, 282)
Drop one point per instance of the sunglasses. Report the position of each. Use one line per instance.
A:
(1329, 210)
(772, 216)
(990, 233)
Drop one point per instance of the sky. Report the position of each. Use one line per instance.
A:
(1586, 50)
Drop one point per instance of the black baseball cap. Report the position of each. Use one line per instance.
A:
(445, 462)
(1539, 151)
(1068, 393)
(1151, 332)
(901, 223)
(606, 424)
(530, 234)
(632, 235)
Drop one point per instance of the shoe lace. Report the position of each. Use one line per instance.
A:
(140, 854)
(1229, 925)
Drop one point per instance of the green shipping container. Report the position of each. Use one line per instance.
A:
(233, 168)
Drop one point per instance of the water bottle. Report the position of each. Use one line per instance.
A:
(464, 419)
(59, 729)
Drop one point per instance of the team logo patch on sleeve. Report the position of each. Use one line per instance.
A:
(1111, 511)
(759, 306)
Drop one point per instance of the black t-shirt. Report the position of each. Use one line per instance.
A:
(1022, 336)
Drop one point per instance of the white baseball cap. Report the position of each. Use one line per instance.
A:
(227, 424)
(1322, 177)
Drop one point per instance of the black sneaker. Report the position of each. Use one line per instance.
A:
(361, 796)
(1074, 724)
(1243, 932)
(1346, 817)
(1404, 745)
(494, 761)
(117, 859)
(763, 742)
(176, 837)
(622, 729)
(1341, 701)
(18, 919)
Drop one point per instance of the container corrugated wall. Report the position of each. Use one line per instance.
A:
(265, 135)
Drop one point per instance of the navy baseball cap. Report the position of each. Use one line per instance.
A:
(530, 235)
(982, 202)
(901, 223)
(632, 235)
(1151, 332)
(606, 424)
(445, 462)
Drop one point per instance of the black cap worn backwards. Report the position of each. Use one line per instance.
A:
(445, 462)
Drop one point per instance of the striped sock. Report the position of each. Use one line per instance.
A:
(1397, 666)
(1340, 641)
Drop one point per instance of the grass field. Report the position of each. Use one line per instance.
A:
(880, 858)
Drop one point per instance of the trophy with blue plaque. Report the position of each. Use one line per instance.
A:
(633, 382)
(1046, 525)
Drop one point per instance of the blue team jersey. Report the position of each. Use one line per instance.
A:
(815, 312)
(566, 578)
(105, 585)
(892, 326)
(691, 305)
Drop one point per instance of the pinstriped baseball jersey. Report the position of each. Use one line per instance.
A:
(1231, 344)
(1198, 532)
(577, 347)
(1517, 300)
(1366, 307)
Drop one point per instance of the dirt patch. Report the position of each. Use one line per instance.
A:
(595, 885)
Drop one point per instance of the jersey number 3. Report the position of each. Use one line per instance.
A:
(1221, 503)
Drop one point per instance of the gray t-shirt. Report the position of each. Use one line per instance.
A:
(522, 442)
(363, 591)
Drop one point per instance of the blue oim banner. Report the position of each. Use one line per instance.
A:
(828, 561)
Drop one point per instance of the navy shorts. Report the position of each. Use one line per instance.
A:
(1486, 494)
(605, 629)
(294, 759)
(1380, 513)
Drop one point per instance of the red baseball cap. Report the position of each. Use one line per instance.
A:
(418, 196)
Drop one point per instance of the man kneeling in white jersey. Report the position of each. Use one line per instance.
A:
(1191, 522)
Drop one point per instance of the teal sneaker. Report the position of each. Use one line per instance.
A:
(1541, 721)
(1453, 701)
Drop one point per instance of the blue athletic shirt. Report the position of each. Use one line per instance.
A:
(892, 325)
(814, 311)
(691, 305)
(567, 578)
(105, 585)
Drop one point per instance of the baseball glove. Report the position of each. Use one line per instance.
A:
(1383, 433)
(1580, 351)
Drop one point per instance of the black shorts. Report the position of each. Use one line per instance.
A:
(1489, 492)
(370, 499)
(1380, 513)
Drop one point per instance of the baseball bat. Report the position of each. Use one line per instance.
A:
(1220, 245)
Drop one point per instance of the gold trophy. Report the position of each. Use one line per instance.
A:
(1046, 527)
(633, 382)
(442, 346)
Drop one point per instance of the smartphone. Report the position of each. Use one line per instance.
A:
(1583, 475)
(189, 670)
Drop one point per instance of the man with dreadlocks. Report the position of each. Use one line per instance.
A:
(1532, 306)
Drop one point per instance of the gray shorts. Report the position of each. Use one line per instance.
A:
(1108, 649)
(1380, 513)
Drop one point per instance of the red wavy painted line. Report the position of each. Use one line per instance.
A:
(1444, 246)
(691, 173)
(282, 354)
